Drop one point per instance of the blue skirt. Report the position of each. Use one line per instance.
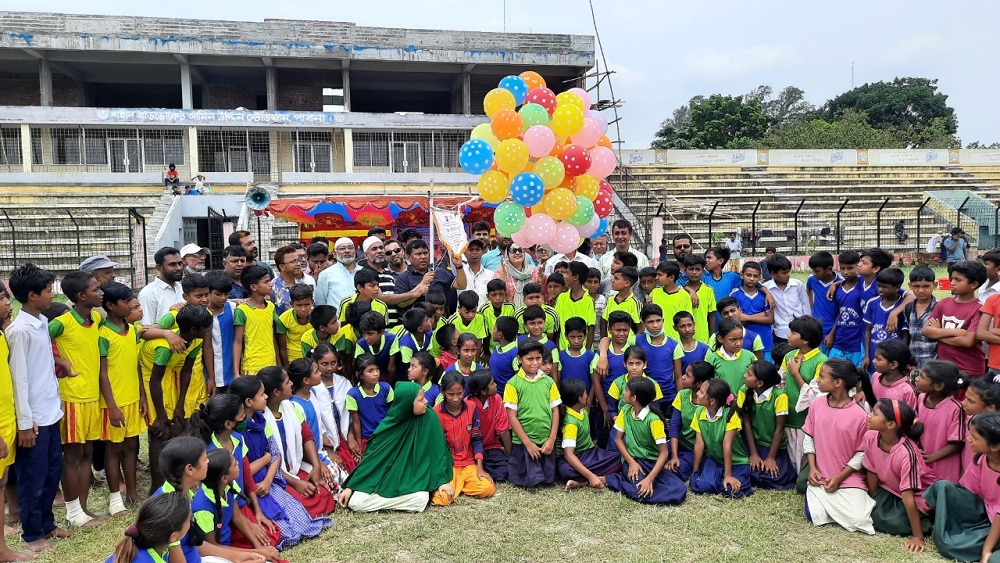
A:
(598, 461)
(786, 471)
(667, 487)
(686, 457)
(708, 479)
(526, 472)
(495, 463)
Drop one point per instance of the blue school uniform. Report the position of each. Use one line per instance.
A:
(546, 342)
(616, 369)
(142, 556)
(696, 355)
(191, 554)
(383, 355)
(877, 316)
(371, 408)
(240, 453)
(502, 364)
(751, 305)
(576, 367)
(227, 331)
(203, 511)
(312, 421)
(848, 342)
(723, 286)
(823, 309)
(660, 365)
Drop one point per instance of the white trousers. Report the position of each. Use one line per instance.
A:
(851, 508)
(413, 502)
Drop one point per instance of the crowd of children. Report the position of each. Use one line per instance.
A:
(876, 403)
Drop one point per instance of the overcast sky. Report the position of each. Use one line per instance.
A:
(664, 52)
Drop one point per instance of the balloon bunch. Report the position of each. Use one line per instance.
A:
(549, 154)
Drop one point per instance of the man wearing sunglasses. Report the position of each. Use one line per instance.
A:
(394, 255)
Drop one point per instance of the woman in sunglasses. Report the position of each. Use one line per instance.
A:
(515, 272)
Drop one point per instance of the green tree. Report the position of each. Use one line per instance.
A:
(852, 130)
(911, 108)
(716, 122)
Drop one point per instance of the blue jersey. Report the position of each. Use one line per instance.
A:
(576, 367)
(867, 292)
(191, 554)
(660, 363)
(877, 316)
(722, 287)
(227, 332)
(822, 308)
(502, 364)
(142, 556)
(751, 305)
(850, 319)
(384, 350)
(371, 408)
(696, 355)
(312, 421)
(203, 508)
(616, 369)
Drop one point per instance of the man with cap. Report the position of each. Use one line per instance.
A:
(337, 281)
(476, 276)
(101, 266)
(194, 258)
(375, 259)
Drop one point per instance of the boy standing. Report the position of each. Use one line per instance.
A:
(647, 283)
(497, 306)
(223, 328)
(704, 314)
(259, 338)
(790, 298)
(670, 297)
(366, 285)
(576, 303)
(38, 461)
(845, 339)
(574, 362)
(503, 358)
(532, 402)
(324, 323)
(663, 354)
(755, 314)
(467, 318)
(922, 285)
(765, 271)
(817, 286)
(877, 311)
(533, 296)
(296, 319)
(955, 320)
(624, 300)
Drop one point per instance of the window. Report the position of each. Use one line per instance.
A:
(163, 147)
(313, 152)
(234, 151)
(10, 147)
(371, 149)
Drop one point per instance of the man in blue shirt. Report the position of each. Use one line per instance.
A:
(956, 246)
(444, 280)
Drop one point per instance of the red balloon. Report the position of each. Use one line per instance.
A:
(576, 160)
(604, 202)
(543, 97)
(605, 186)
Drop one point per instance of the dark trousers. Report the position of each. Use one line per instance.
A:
(39, 470)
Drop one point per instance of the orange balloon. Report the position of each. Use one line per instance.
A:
(561, 143)
(604, 141)
(532, 79)
(568, 182)
(507, 124)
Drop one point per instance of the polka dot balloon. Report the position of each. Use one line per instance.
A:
(475, 156)
(527, 189)
(543, 97)
(515, 85)
(576, 160)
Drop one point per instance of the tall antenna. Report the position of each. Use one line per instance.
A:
(852, 75)
(505, 16)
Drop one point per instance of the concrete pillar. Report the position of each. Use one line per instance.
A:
(187, 94)
(25, 148)
(193, 150)
(348, 151)
(467, 93)
(271, 85)
(345, 74)
(45, 81)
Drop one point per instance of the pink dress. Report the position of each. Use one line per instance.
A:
(837, 434)
(900, 469)
(943, 423)
(981, 481)
(901, 390)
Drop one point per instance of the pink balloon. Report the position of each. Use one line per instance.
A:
(566, 239)
(591, 226)
(522, 238)
(603, 162)
(540, 140)
(589, 135)
(583, 95)
(602, 122)
(542, 228)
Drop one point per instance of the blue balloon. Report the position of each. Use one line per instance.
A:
(475, 156)
(515, 85)
(527, 189)
(602, 228)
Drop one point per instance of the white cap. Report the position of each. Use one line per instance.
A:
(369, 242)
(342, 240)
(190, 249)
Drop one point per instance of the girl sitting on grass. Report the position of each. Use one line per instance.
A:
(162, 520)
(682, 436)
(721, 464)
(766, 408)
(582, 463)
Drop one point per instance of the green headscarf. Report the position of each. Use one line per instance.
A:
(406, 454)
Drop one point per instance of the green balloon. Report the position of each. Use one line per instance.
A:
(584, 212)
(533, 114)
(509, 217)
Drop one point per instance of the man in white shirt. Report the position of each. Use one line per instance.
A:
(575, 256)
(789, 294)
(337, 282)
(621, 233)
(476, 275)
(735, 247)
(164, 291)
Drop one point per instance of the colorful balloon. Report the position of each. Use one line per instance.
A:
(604, 162)
(484, 132)
(566, 121)
(540, 140)
(584, 212)
(588, 135)
(569, 98)
(493, 186)
(587, 186)
(602, 227)
(551, 170)
(507, 124)
(605, 142)
(533, 114)
(516, 86)
(602, 122)
(511, 156)
(590, 228)
(508, 218)
(523, 238)
(576, 159)
(566, 238)
(542, 228)
(583, 95)
(526, 189)
(604, 204)
(498, 99)
(543, 97)
(532, 79)
(475, 156)
(560, 203)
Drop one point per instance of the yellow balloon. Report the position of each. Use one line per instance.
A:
(587, 186)
(551, 170)
(484, 132)
(567, 120)
(569, 98)
(511, 156)
(500, 98)
(493, 186)
(560, 203)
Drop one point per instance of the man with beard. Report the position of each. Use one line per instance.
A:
(445, 282)
(621, 232)
(375, 259)
(246, 240)
(289, 263)
(165, 291)
(234, 260)
(337, 281)
(394, 254)
(194, 258)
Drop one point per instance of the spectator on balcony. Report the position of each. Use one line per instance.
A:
(249, 243)
(194, 258)
(337, 281)
(234, 260)
(621, 233)
(165, 291)
(197, 186)
(956, 246)
(900, 231)
(101, 266)
(172, 178)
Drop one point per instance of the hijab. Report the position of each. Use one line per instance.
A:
(406, 454)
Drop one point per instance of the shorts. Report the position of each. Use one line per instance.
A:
(81, 422)
(197, 393)
(854, 357)
(169, 384)
(8, 433)
(135, 424)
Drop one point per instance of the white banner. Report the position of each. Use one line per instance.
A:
(908, 157)
(450, 230)
(785, 157)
